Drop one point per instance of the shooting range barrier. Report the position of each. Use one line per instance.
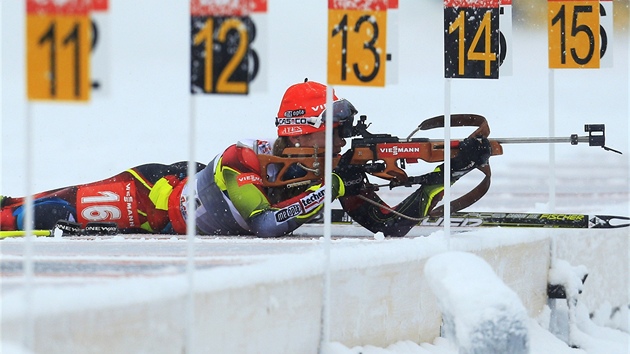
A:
(379, 295)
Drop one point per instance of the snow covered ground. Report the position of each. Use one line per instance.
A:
(143, 118)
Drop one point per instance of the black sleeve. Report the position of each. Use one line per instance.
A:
(378, 218)
(152, 172)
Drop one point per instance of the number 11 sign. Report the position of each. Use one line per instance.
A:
(58, 45)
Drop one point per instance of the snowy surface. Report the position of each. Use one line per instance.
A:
(479, 312)
(144, 116)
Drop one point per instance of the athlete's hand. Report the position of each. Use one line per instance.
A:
(473, 152)
(351, 177)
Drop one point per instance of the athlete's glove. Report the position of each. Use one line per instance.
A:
(473, 152)
(348, 178)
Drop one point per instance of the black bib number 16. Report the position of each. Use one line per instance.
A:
(221, 58)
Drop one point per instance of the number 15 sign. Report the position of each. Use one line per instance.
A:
(579, 33)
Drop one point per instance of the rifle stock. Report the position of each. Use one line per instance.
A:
(309, 160)
(392, 154)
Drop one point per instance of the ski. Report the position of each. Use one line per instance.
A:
(462, 220)
(546, 220)
(68, 228)
(499, 219)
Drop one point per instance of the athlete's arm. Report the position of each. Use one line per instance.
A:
(240, 173)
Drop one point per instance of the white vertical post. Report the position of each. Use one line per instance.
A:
(552, 160)
(552, 148)
(191, 228)
(447, 161)
(27, 257)
(191, 220)
(328, 150)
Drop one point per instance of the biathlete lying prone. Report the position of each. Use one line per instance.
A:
(230, 196)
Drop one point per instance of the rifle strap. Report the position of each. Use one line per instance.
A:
(469, 198)
(483, 129)
(459, 120)
(456, 205)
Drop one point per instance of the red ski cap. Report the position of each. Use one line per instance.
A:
(301, 109)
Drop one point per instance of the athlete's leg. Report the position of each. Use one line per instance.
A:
(124, 199)
(60, 204)
(48, 207)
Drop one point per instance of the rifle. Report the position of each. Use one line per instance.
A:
(385, 156)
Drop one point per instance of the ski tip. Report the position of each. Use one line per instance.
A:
(608, 221)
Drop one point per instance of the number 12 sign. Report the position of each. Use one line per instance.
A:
(223, 60)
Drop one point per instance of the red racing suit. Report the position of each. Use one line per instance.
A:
(136, 200)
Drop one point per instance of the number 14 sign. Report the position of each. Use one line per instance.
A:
(471, 39)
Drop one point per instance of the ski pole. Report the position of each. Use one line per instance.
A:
(69, 228)
(22, 233)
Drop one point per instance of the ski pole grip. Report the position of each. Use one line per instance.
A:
(596, 134)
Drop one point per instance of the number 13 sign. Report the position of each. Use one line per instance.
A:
(357, 42)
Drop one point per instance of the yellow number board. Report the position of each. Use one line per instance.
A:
(58, 53)
(357, 46)
(573, 34)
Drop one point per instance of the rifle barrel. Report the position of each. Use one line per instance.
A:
(541, 140)
(533, 140)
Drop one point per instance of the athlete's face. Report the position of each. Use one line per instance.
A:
(319, 139)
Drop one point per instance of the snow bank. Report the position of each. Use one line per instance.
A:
(270, 303)
(479, 312)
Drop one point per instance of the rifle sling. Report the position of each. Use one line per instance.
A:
(459, 120)
(469, 198)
